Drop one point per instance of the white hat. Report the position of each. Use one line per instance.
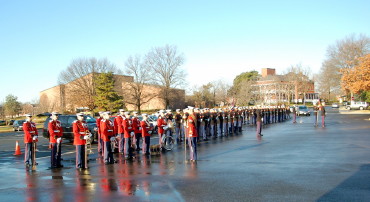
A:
(161, 111)
(28, 115)
(127, 113)
(190, 107)
(106, 113)
(54, 113)
(144, 114)
(178, 110)
(79, 114)
(121, 110)
(101, 112)
(134, 112)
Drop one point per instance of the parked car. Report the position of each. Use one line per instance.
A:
(357, 105)
(67, 121)
(18, 125)
(2, 123)
(303, 110)
(335, 105)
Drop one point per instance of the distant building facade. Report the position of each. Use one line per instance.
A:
(63, 97)
(274, 89)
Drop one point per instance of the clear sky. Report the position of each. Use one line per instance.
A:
(220, 39)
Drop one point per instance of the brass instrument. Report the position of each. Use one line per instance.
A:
(87, 145)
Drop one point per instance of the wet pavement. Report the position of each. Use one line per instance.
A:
(291, 162)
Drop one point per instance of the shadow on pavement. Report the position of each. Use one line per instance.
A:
(358, 183)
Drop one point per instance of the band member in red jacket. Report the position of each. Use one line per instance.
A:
(137, 130)
(118, 128)
(55, 139)
(192, 132)
(160, 124)
(107, 134)
(100, 141)
(127, 129)
(80, 135)
(145, 127)
(30, 137)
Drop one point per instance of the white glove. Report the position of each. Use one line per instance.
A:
(139, 128)
(112, 139)
(132, 134)
(150, 132)
(129, 128)
(165, 127)
(59, 140)
(118, 136)
(86, 137)
(35, 137)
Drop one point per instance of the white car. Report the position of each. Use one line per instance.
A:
(357, 105)
(335, 105)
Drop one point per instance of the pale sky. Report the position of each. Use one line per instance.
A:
(220, 39)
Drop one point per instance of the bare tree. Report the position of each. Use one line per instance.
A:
(345, 53)
(329, 80)
(220, 89)
(166, 62)
(137, 93)
(299, 76)
(343, 56)
(81, 75)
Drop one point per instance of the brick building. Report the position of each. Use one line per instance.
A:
(60, 98)
(273, 89)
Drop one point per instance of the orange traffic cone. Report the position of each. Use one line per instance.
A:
(17, 149)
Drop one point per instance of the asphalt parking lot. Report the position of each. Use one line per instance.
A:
(291, 162)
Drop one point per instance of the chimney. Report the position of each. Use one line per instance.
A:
(267, 72)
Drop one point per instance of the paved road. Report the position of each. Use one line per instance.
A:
(291, 162)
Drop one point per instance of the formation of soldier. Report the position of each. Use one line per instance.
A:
(129, 133)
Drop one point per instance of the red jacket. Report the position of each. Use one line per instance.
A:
(55, 130)
(79, 131)
(161, 123)
(145, 127)
(127, 128)
(192, 130)
(118, 127)
(30, 130)
(136, 125)
(107, 130)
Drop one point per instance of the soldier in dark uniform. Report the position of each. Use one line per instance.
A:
(323, 114)
(178, 127)
(259, 122)
(226, 121)
(294, 114)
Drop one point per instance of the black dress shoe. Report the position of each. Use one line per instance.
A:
(60, 166)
